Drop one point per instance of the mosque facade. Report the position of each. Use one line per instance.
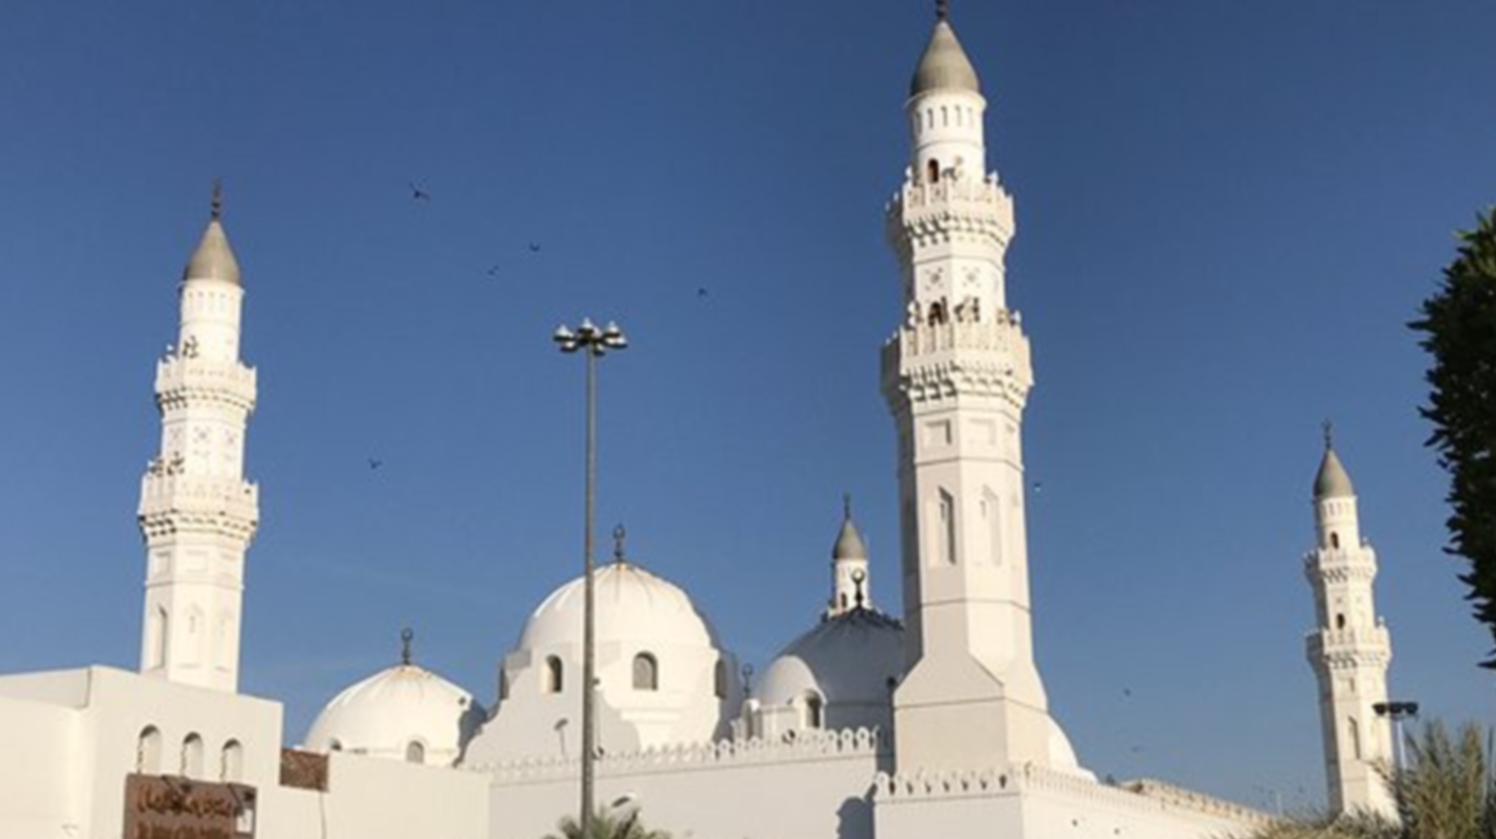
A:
(866, 726)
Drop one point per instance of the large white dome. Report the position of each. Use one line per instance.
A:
(405, 713)
(661, 677)
(632, 604)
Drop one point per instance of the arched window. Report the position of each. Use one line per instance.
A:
(231, 762)
(415, 752)
(192, 756)
(148, 751)
(719, 679)
(553, 675)
(932, 170)
(159, 632)
(814, 708)
(1335, 540)
(1355, 733)
(646, 672)
(1340, 621)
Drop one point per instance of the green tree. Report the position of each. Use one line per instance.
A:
(1459, 330)
(608, 826)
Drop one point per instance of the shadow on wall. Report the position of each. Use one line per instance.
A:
(854, 818)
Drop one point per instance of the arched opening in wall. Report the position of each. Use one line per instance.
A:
(646, 672)
(1335, 540)
(192, 756)
(148, 751)
(719, 679)
(553, 675)
(932, 171)
(814, 710)
(1340, 620)
(415, 752)
(231, 762)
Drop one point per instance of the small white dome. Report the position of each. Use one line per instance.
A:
(850, 663)
(633, 605)
(405, 713)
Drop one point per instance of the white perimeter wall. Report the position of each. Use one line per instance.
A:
(817, 788)
(377, 798)
(39, 770)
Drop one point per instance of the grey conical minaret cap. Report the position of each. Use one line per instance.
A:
(944, 66)
(1332, 480)
(849, 542)
(213, 259)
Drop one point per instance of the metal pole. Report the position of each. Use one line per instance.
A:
(589, 638)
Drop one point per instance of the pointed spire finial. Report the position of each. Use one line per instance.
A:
(216, 208)
(942, 9)
(1329, 430)
(618, 535)
(406, 636)
(847, 506)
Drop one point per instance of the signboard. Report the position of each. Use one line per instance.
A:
(167, 807)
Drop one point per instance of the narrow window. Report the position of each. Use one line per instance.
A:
(553, 680)
(945, 116)
(1355, 734)
(719, 679)
(646, 672)
(1335, 540)
(948, 527)
(231, 763)
(992, 511)
(1340, 620)
(503, 684)
(415, 752)
(192, 756)
(160, 629)
(932, 170)
(148, 751)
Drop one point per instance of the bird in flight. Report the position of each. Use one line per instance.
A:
(700, 292)
(534, 247)
(493, 271)
(419, 194)
(375, 463)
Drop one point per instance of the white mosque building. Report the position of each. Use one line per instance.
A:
(865, 726)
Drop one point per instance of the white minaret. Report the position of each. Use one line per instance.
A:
(956, 376)
(197, 513)
(849, 580)
(1351, 648)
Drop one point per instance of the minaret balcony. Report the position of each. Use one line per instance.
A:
(954, 205)
(180, 378)
(165, 494)
(1372, 642)
(980, 356)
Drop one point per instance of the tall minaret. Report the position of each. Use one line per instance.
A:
(1351, 648)
(956, 376)
(197, 513)
(849, 582)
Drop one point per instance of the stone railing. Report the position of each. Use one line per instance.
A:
(1137, 796)
(805, 746)
(986, 357)
(162, 494)
(177, 377)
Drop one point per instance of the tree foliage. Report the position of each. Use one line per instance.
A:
(606, 825)
(1447, 791)
(1459, 330)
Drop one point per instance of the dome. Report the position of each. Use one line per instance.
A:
(1332, 480)
(405, 713)
(944, 66)
(849, 543)
(213, 259)
(849, 663)
(633, 605)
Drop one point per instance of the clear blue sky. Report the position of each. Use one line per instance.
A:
(1227, 212)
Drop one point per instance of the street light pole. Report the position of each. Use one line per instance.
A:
(594, 344)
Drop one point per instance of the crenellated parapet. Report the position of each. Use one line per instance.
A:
(1143, 797)
(802, 747)
(956, 208)
(934, 358)
(182, 380)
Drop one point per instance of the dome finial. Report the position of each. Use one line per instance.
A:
(846, 506)
(406, 636)
(942, 9)
(1329, 430)
(215, 210)
(618, 535)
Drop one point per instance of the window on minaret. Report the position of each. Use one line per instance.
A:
(948, 527)
(553, 682)
(646, 672)
(1355, 733)
(932, 169)
(719, 679)
(1335, 540)
(160, 631)
(992, 512)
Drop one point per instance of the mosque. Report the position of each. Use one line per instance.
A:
(866, 725)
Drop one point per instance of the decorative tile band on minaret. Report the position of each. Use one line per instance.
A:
(1350, 648)
(956, 375)
(197, 513)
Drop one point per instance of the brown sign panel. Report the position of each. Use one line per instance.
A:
(167, 807)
